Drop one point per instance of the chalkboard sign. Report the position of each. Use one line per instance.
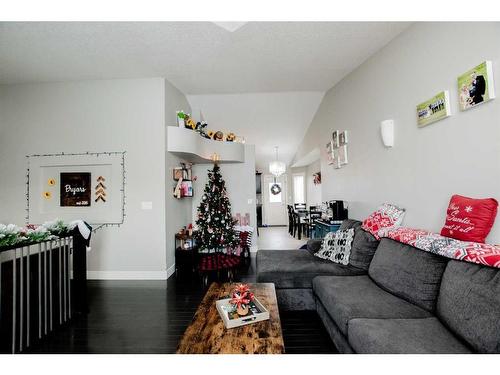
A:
(75, 189)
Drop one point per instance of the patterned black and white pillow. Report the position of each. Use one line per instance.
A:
(336, 246)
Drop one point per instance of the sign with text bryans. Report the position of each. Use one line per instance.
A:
(75, 189)
(434, 109)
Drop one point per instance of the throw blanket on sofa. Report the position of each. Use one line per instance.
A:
(473, 252)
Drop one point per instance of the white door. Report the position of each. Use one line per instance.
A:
(274, 205)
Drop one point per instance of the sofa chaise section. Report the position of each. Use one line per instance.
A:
(292, 272)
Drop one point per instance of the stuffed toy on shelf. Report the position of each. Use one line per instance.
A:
(230, 137)
(218, 136)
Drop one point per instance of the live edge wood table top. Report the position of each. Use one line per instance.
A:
(207, 335)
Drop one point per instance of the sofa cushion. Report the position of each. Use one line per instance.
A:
(469, 303)
(407, 272)
(296, 268)
(408, 336)
(346, 298)
(350, 223)
(363, 245)
(313, 245)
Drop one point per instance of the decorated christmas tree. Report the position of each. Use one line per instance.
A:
(215, 223)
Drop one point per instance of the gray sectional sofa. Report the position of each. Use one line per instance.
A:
(391, 298)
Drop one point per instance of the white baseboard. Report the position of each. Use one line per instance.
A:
(127, 275)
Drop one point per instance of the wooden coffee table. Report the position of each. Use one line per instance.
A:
(207, 335)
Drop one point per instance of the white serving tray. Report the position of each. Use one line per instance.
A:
(233, 323)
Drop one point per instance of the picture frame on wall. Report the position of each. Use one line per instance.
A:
(342, 150)
(335, 138)
(343, 138)
(434, 109)
(75, 189)
(329, 152)
(476, 86)
(336, 159)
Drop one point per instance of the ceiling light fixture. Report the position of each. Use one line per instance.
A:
(230, 26)
(277, 168)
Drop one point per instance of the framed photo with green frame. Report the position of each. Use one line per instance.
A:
(476, 86)
(434, 109)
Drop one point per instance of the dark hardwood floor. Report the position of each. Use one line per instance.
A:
(151, 316)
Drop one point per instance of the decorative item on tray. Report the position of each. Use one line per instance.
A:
(242, 308)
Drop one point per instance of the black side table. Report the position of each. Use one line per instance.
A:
(186, 255)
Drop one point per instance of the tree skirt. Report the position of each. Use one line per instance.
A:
(214, 262)
(473, 252)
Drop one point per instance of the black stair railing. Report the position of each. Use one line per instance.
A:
(42, 285)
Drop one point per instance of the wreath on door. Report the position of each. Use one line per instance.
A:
(275, 189)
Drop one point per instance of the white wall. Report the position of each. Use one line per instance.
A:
(313, 191)
(109, 115)
(178, 211)
(240, 185)
(457, 155)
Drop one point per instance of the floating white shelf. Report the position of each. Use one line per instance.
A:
(190, 146)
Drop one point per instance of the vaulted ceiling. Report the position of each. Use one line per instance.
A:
(275, 72)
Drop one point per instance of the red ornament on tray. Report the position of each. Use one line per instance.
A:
(241, 299)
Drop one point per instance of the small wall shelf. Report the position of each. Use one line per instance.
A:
(190, 146)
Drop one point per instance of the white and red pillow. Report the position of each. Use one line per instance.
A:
(387, 216)
(469, 219)
(468, 251)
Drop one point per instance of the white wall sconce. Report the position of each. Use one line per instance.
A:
(387, 132)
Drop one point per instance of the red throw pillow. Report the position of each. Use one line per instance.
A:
(386, 217)
(469, 219)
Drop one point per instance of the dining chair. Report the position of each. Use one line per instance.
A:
(300, 206)
(314, 214)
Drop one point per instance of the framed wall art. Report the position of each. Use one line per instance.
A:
(343, 138)
(75, 189)
(434, 109)
(329, 152)
(476, 86)
(342, 151)
(335, 138)
(88, 186)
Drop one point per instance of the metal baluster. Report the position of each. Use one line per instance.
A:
(14, 305)
(21, 300)
(50, 285)
(28, 279)
(45, 284)
(64, 278)
(70, 267)
(60, 286)
(39, 290)
(0, 293)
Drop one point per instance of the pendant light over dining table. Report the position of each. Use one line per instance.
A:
(277, 168)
